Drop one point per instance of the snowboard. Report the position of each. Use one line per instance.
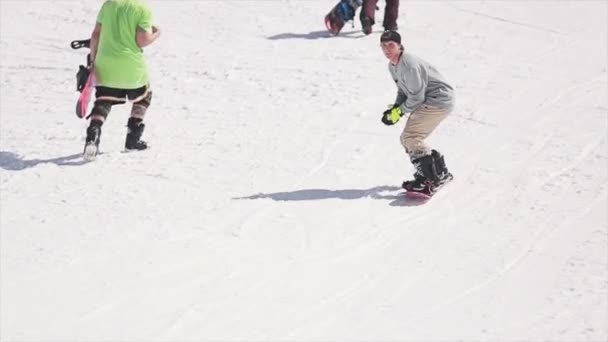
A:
(341, 13)
(85, 95)
(85, 79)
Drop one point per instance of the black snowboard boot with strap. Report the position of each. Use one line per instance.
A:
(135, 128)
(91, 145)
(425, 178)
(443, 174)
(431, 174)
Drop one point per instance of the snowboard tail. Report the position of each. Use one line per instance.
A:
(85, 96)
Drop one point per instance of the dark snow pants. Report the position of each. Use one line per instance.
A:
(391, 12)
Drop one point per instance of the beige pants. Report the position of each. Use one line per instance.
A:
(421, 123)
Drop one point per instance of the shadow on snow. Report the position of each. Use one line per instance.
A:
(379, 193)
(316, 35)
(12, 162)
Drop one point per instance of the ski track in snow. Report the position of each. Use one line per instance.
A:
(269, 206)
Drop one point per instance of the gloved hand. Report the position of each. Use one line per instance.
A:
(391, 116)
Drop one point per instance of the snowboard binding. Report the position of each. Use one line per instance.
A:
(79, 44)
(83, 71)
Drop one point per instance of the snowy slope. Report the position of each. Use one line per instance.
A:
(269, 205)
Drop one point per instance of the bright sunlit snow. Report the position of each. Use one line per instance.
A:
(269, 207)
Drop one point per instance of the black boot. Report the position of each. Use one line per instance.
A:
(425, 178)
(417, 183)
(366, 24)
(135, 128)
(443, 174)
(91, 145)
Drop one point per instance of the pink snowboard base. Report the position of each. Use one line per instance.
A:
(85, 96)
(417, 195)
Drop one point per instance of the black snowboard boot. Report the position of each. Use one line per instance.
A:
(417, 184)
(91, 145)
(366, 24)
(443, 174)
(135, 128)
(425, 178)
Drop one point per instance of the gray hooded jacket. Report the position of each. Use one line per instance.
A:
(418, 83)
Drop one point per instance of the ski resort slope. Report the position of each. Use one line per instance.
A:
(269, 207)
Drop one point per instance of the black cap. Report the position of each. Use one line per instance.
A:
(390, 36)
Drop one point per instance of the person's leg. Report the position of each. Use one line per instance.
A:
(391, 13)
(105, 98)
(368, 11)
(141, 98)
(420, 124)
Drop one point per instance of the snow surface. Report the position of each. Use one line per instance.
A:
(269, 207)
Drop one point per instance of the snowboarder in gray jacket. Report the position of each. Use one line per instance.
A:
(428, 98)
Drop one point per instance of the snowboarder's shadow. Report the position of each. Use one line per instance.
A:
(12, 162)
(379, 192)
(316, 35)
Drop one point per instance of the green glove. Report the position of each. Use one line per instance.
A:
(391, 116)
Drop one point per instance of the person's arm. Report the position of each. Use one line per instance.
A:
(95, 41)
(401, 97)
(145, 38)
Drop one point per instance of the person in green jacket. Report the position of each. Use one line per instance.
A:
(122, 30)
